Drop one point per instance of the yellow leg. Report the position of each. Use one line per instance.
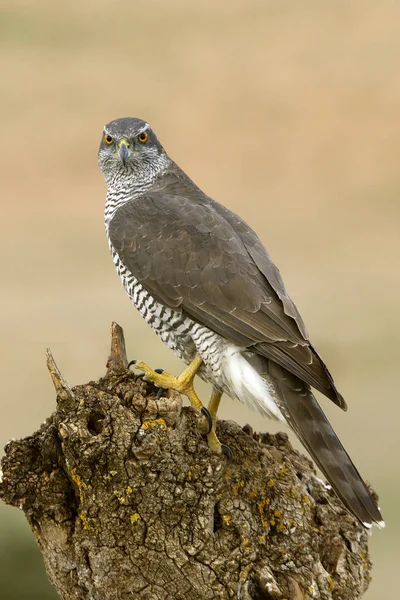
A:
(213, 405)
(213, 442)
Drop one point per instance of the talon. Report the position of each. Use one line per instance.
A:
(132, 362)
(206, 413)
(227, 451)
(139, 375)
(160, 392)
(159, 371)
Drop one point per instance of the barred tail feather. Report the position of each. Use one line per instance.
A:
(305, 416)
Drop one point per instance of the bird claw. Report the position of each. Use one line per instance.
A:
(206, 413)
(138, 375)
(227, 451)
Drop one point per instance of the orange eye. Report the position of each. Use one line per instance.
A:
(143, 137)
(108, 139)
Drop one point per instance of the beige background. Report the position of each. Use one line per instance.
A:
(285, 111)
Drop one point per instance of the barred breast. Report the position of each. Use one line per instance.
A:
(185, 337)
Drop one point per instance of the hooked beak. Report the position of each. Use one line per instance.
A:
(124, 151)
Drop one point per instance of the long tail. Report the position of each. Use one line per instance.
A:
(306, 418)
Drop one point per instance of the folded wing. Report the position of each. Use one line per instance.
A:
(194, 255)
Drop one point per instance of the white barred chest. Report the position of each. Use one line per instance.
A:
(182, 335)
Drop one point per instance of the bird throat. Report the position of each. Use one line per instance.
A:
(129, 184)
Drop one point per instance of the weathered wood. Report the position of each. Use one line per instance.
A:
(126, 501)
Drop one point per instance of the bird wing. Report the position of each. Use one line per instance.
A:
(194, 255)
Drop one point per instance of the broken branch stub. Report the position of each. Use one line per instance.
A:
(117, 361)
(62, 388)
(126, 502)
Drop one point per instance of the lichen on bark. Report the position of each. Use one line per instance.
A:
(126, 501)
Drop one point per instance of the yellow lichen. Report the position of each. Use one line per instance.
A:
(330, 582)
(227, 519)
(129, 490)
(154, 423)
(244, 573)
(271, 483)
(306, 500)
(237, 487)
(261, 508)
(135, 517)
(277, 513)
(77, 480)
(81, 485)
(284, 470)
(84, 519)
(194, 472)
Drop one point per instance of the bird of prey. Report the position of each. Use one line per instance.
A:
(202, 279)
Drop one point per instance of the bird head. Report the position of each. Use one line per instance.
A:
(129, 149)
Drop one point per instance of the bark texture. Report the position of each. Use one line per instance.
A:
(126, 502)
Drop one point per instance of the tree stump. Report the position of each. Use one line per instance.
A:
(126, 502)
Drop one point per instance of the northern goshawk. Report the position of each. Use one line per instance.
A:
(200, 276)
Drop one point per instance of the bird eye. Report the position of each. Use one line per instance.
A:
(108, 139)
(143, 137)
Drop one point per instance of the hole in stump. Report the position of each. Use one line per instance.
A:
(348, 545)
(257, 593)
(95, 422)
(217, 519)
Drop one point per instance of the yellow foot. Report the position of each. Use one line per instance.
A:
(184, 385)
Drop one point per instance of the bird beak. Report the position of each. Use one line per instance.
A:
(124, 151)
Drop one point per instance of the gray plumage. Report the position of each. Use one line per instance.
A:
(202, 279)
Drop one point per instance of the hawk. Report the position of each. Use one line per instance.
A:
(202, 279)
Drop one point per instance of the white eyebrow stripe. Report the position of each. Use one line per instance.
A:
(139, 131)
(144, 128)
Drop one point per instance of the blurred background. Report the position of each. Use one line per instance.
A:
(288, 113)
